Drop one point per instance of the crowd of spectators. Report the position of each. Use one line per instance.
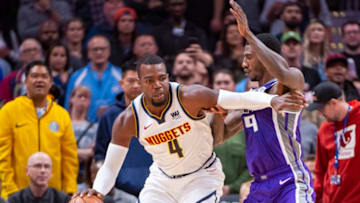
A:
(67, 69)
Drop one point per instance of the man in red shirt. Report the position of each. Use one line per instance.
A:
(338, 146)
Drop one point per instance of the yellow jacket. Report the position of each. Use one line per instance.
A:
(22, 134)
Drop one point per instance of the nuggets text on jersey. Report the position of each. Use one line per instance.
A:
(168, 135)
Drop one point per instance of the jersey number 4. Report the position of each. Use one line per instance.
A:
(174, 147)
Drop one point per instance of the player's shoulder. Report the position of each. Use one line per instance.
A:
(296, 70)
(126, 119)
(127, 113)
(193, 90)
(126, 122)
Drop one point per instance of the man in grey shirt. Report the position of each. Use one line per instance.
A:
(308, 132)
(2, 200)
(31, 16)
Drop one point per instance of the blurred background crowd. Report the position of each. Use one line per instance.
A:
(91, 48)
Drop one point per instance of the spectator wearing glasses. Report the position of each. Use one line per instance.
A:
(34, 123)
(39, 171)
(100, 76)
(351, 40)
(13, 84)
(336, 69)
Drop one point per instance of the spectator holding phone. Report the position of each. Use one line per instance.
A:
(173, 34)
(197, 52)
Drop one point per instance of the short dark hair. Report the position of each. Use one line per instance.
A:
(226, 50)
(129, 65)
(290, 3)
(181, 51)
(349, 22)
(67, 24)
(149, 60)
(225, 71)
(270, 41)
(36, 63)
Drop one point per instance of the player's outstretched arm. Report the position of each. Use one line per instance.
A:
(195, 98)
(273, 62)
(123, 130)
(232, 123)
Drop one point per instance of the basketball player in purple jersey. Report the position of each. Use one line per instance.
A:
(273, 150)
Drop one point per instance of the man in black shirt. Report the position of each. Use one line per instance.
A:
(176, 32)
(351, 39)
(39, 170)
(336, 68)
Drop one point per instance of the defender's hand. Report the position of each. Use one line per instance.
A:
(240, 17)
(292, 101)
(217, 110)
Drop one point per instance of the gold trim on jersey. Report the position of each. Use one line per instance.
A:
(184, 108)
(136, 119)
(162, 112)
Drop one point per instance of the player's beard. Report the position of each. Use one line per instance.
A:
(158, 104)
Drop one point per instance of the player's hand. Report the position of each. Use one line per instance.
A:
(217, 110)
(89, 192)
(291, 101)
(240, 17)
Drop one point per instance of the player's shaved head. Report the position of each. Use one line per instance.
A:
(32, 159)
(149, 60)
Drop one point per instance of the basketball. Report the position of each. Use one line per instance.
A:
(86, 199)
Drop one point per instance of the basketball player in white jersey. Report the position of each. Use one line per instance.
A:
(168, 120)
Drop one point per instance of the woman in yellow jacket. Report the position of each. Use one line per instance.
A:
(35, 123)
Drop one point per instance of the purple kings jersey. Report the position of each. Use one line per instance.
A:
(272, 139)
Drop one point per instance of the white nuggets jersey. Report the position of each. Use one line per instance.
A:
(178, 142)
